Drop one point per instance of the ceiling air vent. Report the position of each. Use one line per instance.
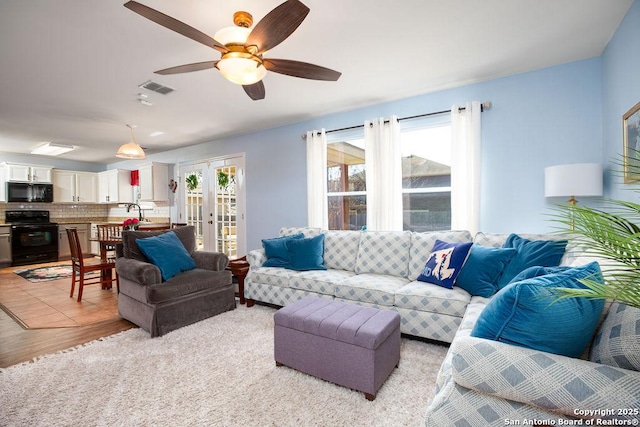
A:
(156, 87)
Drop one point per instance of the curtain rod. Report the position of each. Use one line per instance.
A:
(484, 106)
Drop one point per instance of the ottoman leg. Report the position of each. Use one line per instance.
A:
(370, 396)
(279, 364)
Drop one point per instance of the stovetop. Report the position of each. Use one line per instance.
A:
(27, 217)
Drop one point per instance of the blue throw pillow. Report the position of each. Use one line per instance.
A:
(444, 263)
(276, 250)
(480, 274)
(306, 254)
(545, 253)
(527, 314)
(536, 271)
(167, 252)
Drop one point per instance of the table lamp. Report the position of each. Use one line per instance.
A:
(577, 179)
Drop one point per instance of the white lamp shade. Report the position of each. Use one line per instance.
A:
(131, 150)
(577, 180)
(232, 35)
(242, 71)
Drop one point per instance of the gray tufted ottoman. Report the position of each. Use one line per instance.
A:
(347, 344)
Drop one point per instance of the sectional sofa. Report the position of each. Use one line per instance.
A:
(481, 382)
(379, 269)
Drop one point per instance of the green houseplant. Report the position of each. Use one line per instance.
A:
(610, 232)
(192, 181)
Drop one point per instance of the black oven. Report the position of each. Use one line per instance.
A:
(34, 239)
(27, 192)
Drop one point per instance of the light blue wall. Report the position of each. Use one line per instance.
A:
(538, 119)
(621, 91)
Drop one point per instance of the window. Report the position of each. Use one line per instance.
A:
(426, 178)
(346, 186)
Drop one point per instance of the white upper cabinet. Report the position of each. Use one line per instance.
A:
(27, 173)
(154, 182)
(114, 186)
(75, 186)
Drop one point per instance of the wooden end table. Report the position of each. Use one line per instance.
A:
(239, 268)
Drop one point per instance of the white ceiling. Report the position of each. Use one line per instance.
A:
(70, 69)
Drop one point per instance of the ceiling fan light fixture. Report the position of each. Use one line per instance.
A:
(232, 35)
(131, 150)
(241, 70)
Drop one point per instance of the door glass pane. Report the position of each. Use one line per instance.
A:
(226, 209)
(193, 204)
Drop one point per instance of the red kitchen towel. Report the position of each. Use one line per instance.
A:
(135, 180)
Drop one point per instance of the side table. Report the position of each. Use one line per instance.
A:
(239, 268)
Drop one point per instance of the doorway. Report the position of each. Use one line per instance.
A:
(212, 198)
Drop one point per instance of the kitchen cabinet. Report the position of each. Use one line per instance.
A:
(27, 173)
(64, 250)
(5, 246)
(74, 186)
(154, 182)
(114, 186)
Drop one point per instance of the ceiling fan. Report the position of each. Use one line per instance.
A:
(242, 48)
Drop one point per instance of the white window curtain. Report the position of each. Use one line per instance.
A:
(317, 214)
(383, 163)
(465, 167)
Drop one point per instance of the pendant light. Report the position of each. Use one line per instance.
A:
(131, 150)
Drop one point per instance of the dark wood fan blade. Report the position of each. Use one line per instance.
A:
(188, 68)
(175, 25)
(277, 25)
(255, 91)
(300, 69)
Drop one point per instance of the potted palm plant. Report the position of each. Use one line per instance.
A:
(610, 232)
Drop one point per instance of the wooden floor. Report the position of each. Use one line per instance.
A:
(60, 322)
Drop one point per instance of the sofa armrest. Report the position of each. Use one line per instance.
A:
(141, 272)
(215, 261)
(256, 258)
(549, 381)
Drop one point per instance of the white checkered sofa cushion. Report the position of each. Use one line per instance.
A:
(319, 281)
(436, 299)
(341, 249)
(370, 288)
(384, 252)
(306, 231)
(548, 381)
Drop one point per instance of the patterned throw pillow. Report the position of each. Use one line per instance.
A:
(617, 342)
(444, 263)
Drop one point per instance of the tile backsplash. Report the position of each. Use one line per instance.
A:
(60, 212)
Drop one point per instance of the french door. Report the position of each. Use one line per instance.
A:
(212, 198)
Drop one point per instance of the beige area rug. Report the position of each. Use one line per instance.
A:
(218, 372)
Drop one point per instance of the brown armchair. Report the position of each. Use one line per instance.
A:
(159, 306)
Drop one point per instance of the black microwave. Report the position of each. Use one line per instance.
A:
(29, 192)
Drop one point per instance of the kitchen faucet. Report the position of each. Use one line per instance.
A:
(131, 205)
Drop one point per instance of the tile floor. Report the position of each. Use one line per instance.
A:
(48, 305)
